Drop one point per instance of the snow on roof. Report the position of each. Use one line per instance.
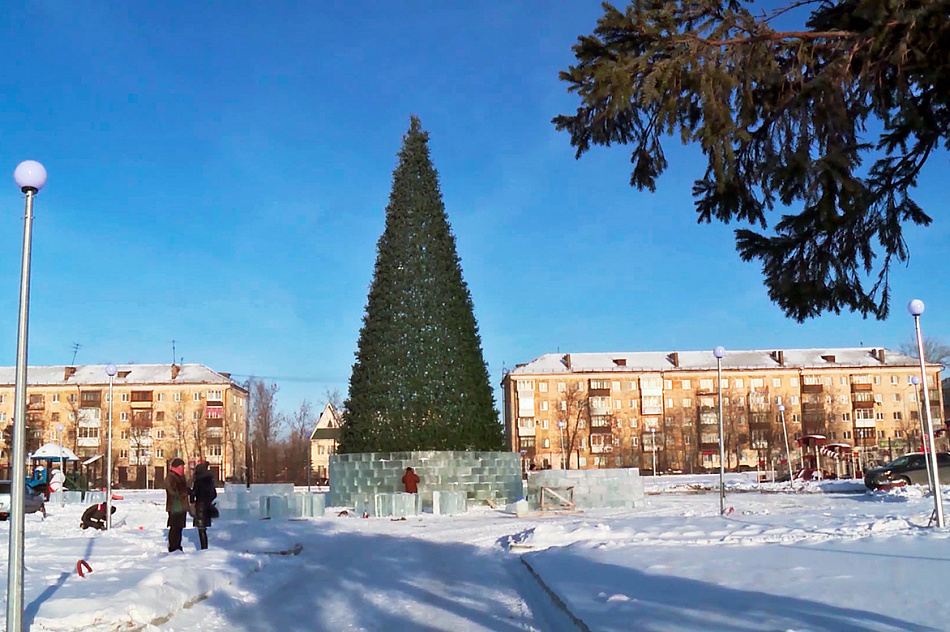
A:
(95, 374)
(837, 357)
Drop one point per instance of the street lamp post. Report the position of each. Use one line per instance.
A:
(653, 448)
(719, 352)
(916, 308)
(788, 453)
(111, 370)
(915, 382)
(30, 177)
(560, 426)
(62, 466)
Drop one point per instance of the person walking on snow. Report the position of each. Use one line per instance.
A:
(203, 494)
(176, 502)
(411, 480)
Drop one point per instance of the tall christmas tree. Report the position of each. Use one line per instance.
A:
(419, 381)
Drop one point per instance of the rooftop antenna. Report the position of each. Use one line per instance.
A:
(173, 351)
(76, 346)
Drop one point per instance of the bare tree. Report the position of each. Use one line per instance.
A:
(934, 350)
(266, 423)
(574, 413)
(297, 449)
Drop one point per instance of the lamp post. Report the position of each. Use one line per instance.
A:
(788, 453)
(62, 466)
(653, 449)
(110, 371)
(915, 382)
(916, 308)
(30, 177)
(719, 352)
(560, 426)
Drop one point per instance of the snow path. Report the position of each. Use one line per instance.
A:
(346, 580)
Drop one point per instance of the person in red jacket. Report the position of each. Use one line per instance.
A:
(411, 480)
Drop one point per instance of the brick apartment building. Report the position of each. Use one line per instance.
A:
(593, 410)
(159, 411)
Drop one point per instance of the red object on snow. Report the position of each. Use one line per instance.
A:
(81, 564)
(117, 497)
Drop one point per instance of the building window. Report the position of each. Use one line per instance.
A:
(581, 423)
(631, 386)
(706, 385)
(686, 384)
(562, 405)
(667, 384)
(3, 399)
(72, 398)
(756, 382)
(179, 416)
(794, 399)
(687, 402)
(55, 398)
(796, 418)
(738, 382)
(877, 379)
(543, 387)
(160, 397)
(895, 379)
(160, 415)
(879, 416)
(177, 397)
(214, 450)
(544, 406)
(633, 423)
(123, 416)
(124, 434)
(617, 404)
(669, 402)
(777, 382)
(217, 395)
(896, 397)
(123, 454)
(561, 387)
(615, 386)
(845, 416)
(160, 453)
(159, 434)
(544, 424)
(582, 461)
(88, 433)
(546, 443)
(634, 441)
(897, 416)
(846, 434)
(878, 398)
(196, 397)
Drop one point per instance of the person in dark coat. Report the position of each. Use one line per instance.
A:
(176, 502)
(203, 494)
(411, 480)
(95, 517)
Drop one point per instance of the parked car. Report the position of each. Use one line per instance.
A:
(910, 469)
(31, 502)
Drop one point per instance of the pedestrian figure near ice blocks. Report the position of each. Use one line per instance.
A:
(95, 517)
(176, 502)
(203, 494)
(411, 480)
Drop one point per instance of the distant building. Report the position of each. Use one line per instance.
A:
(159, 412)
(592, 410)
(324, 441)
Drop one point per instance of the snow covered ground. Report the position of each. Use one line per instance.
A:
(825, 558)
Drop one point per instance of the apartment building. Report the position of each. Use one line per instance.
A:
(594, 410)
(159, 412)
(324, 441)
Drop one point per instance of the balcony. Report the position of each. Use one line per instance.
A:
(526, 432)
(812, 388)
(600, 430)
(39, 406)
(88, 442)
(598, 392)
(861, 386)
(140, 404)
(864, 423)
(865, 405)
(601, 449)
(214, 423)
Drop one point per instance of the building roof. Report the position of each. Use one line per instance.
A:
(823, 358)
(95, 374)
(328, 425)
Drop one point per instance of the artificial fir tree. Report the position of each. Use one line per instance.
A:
(419, 381)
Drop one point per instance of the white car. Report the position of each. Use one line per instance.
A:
(31, 502)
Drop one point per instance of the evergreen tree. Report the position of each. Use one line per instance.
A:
(785, 119)
(419, 381)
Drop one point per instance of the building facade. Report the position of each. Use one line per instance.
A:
(159, 412)
(324, 441)
(593, 410)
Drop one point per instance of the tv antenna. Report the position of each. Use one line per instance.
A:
(76, 347)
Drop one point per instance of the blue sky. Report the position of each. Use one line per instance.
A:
(218, 177)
